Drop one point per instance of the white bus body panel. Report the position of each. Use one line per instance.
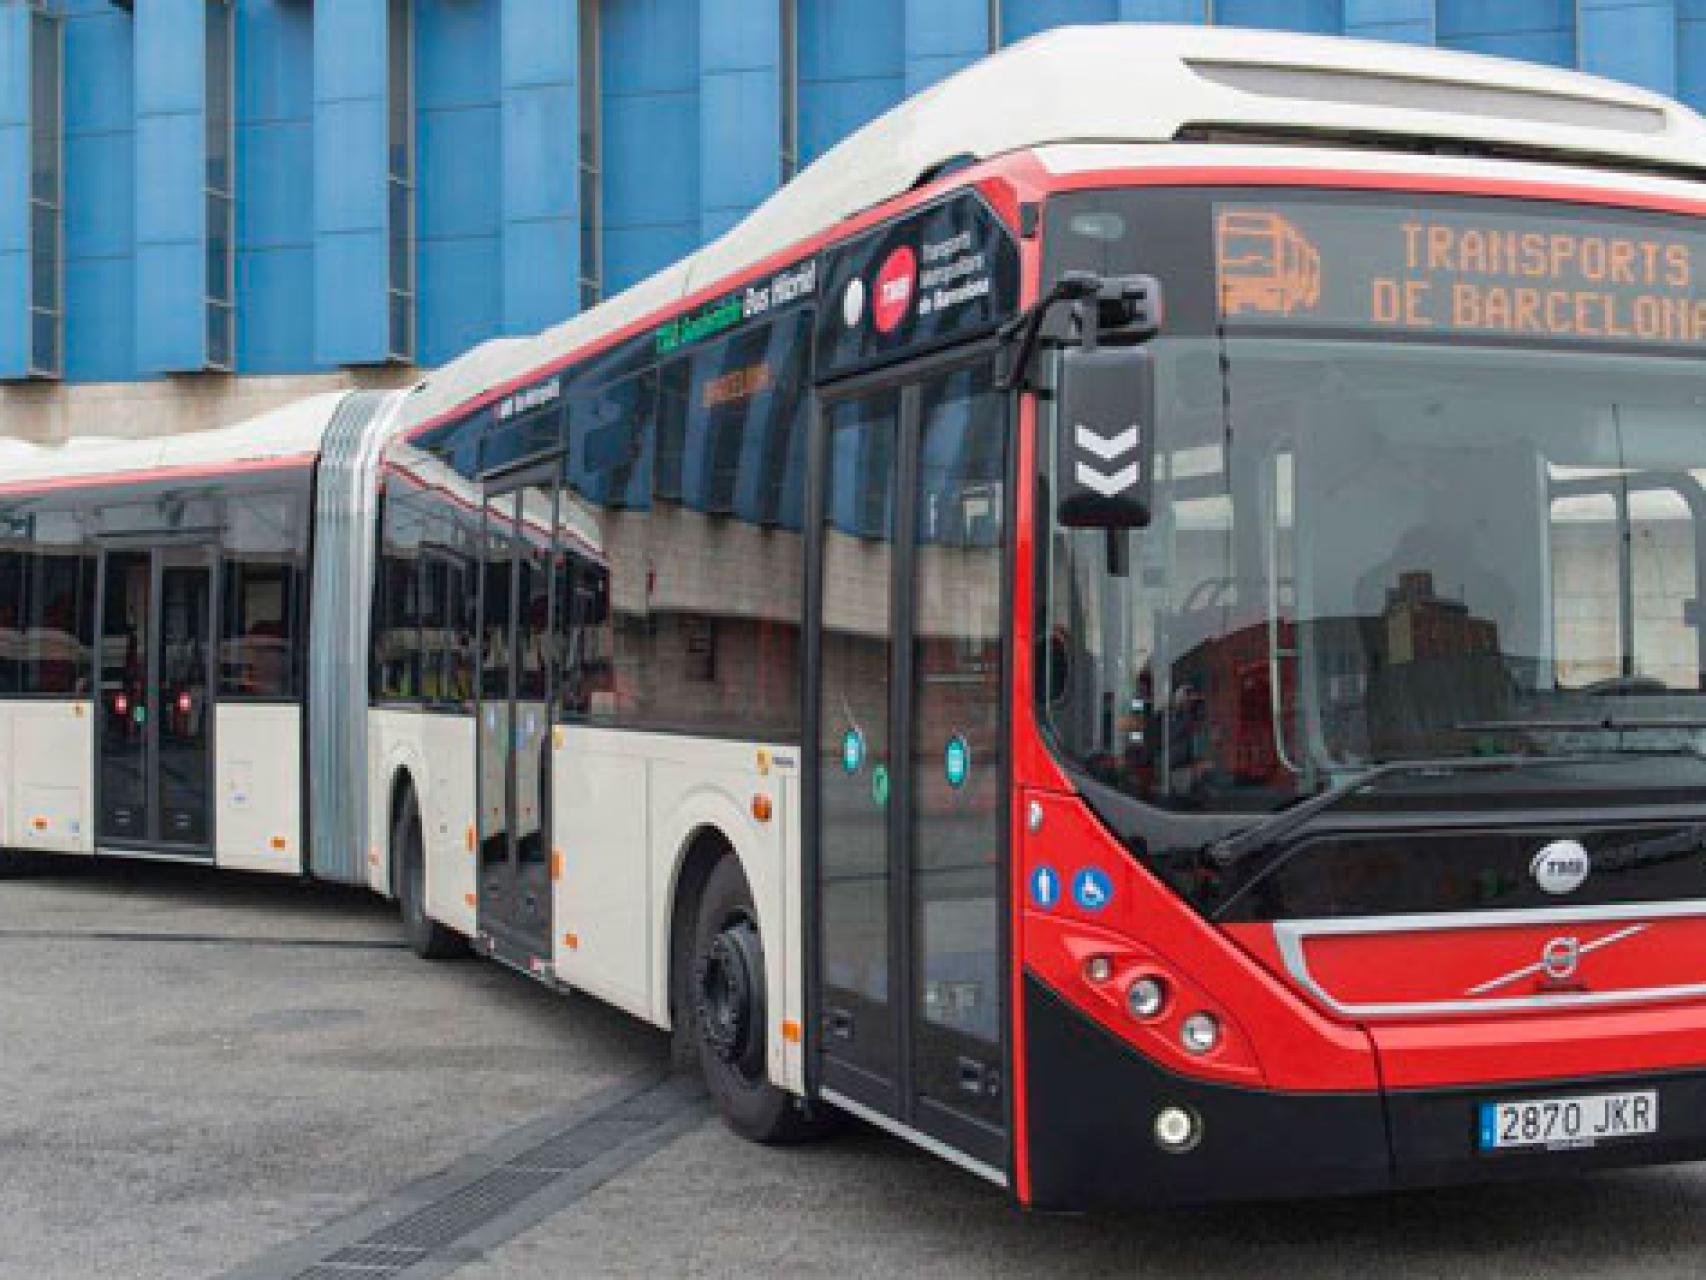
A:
(436, 752)
(47, 753)
(258, 785)
(626, 808)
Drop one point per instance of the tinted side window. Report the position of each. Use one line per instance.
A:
(11, 620)
(260, 596)
(57, 610)
(397, 624)
(679, 556)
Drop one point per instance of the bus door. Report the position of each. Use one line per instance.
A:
(911, 769)
(514, 740)
(155, 718)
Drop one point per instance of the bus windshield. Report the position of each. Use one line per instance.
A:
(1375, 551)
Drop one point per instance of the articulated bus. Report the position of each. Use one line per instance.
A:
(1139, 625)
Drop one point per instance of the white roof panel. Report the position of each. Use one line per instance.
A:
(291, 431)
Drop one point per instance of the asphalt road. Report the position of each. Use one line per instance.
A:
(202, 1075)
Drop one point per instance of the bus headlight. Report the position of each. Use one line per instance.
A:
(1200, 1034)
(1146, 998)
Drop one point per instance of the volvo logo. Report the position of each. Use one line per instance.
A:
(1561, 866)
(1560, 958)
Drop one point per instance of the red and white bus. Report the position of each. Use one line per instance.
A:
(962, 655)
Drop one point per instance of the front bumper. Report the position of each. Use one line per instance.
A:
(1091, 1103)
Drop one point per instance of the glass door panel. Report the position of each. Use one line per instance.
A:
(531, 786)
(184, 711)
(124, 707)
(516, 661)
(854, 746)
(958, 778)
(495, 741)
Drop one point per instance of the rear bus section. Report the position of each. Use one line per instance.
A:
(1361, 833)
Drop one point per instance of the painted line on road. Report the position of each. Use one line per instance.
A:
(200, 939)
(433, 1227)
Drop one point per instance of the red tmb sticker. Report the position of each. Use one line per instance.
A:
(896, 283)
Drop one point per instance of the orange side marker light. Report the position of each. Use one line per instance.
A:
(761, 807)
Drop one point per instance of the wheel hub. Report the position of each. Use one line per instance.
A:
(728, 996)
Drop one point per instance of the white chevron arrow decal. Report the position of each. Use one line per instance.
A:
(1107, 448)
(1109, 486)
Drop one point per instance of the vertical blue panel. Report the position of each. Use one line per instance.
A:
(100, 201)
(1632, 40)
(540, 55)
(650, 99)
(350, 221)
(463, 187)
(852, 67)
(171, 173)
(740, 115)
(1326, 17)
(275, 186)
(941, 37)
(14, 188)
(1411, 21)
(1538, 30)
(1189, 11)
(1021, 18)
(1691, 52)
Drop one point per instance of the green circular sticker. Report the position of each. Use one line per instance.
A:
(956, 761)
(853, 751)
(880, 785)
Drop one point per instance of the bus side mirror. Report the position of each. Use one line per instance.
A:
(1106, 444)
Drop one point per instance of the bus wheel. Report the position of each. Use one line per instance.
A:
(729, 1013)
(427, 938)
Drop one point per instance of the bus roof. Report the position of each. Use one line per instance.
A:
(294, 431)
(1141, 83)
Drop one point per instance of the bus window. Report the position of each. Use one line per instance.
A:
(57, 614)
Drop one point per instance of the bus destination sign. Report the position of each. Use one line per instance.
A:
(1456, 272)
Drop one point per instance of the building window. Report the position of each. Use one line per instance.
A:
(591, 159)
(220, 185)
(400, 115)
(47, 325)
(788, 78)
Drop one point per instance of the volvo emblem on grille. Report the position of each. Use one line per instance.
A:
(1561, 866)
(1560, 958)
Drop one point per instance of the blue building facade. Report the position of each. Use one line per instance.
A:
(290, 186)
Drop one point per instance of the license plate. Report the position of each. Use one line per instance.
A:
(1565, 1123)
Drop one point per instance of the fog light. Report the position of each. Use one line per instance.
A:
(1098, 968)
(1200, 1033)
(1177, 1130)
(1146, 998)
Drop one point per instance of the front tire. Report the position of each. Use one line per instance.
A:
(728, 1017)
(426, 937)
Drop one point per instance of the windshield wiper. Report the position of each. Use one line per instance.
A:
(1273, 832)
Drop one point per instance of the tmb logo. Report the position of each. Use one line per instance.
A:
(1561, 867)
(897, 281)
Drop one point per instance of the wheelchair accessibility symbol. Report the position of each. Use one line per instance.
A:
(1091, 889)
